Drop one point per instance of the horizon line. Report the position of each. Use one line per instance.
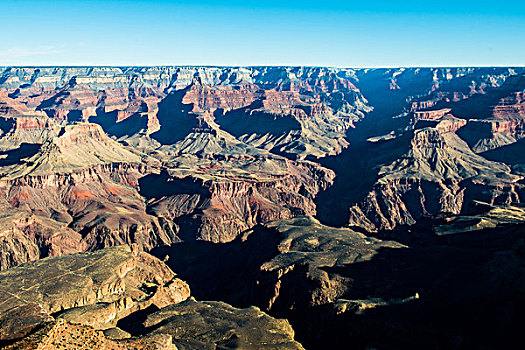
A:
(260, 65)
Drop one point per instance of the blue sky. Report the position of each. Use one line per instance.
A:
(369, 33)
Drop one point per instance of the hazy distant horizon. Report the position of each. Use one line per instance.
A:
(250, 66)
(339, 34)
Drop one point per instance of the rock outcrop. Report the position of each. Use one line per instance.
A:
(306, 250)
(93, 289)
(212, 325)
(60, 335)
(283, 264)
(83, 300)
(438, 175)
(338, 286)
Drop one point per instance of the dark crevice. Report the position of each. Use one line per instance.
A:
(15, 156)
(249, 120)
(133, 323)
(175, 119)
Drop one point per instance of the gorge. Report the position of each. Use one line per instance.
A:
(378, 208)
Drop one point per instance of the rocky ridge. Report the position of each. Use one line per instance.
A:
(82, 299)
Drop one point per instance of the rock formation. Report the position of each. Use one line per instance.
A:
(232, 130)
(211, 325)
(353, 202)
(336, 285)
(438, 175)
(68, 301)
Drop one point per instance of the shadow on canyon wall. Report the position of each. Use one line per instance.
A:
(6, 124)
(15, 156)
(247, 121)
(512, 154)
(164, 185)
(358, 165)
(470, 290)
(157, 188)
(175, 118)
(127, 127)
(222, 271)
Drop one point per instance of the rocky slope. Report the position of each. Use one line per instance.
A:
(84, 299)
(84, 183)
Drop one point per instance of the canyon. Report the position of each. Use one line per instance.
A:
(327, 204)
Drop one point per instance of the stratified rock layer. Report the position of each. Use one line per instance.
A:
(252, 140)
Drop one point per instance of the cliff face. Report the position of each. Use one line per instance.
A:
(439, 175)
(98, 202)
(83, 185)
(25, 237)
(26, 129)
(222, 205)
(242, 205)
(94, 208)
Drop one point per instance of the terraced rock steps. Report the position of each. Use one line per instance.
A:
(83, 299)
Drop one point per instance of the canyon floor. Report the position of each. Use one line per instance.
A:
(303, 207)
